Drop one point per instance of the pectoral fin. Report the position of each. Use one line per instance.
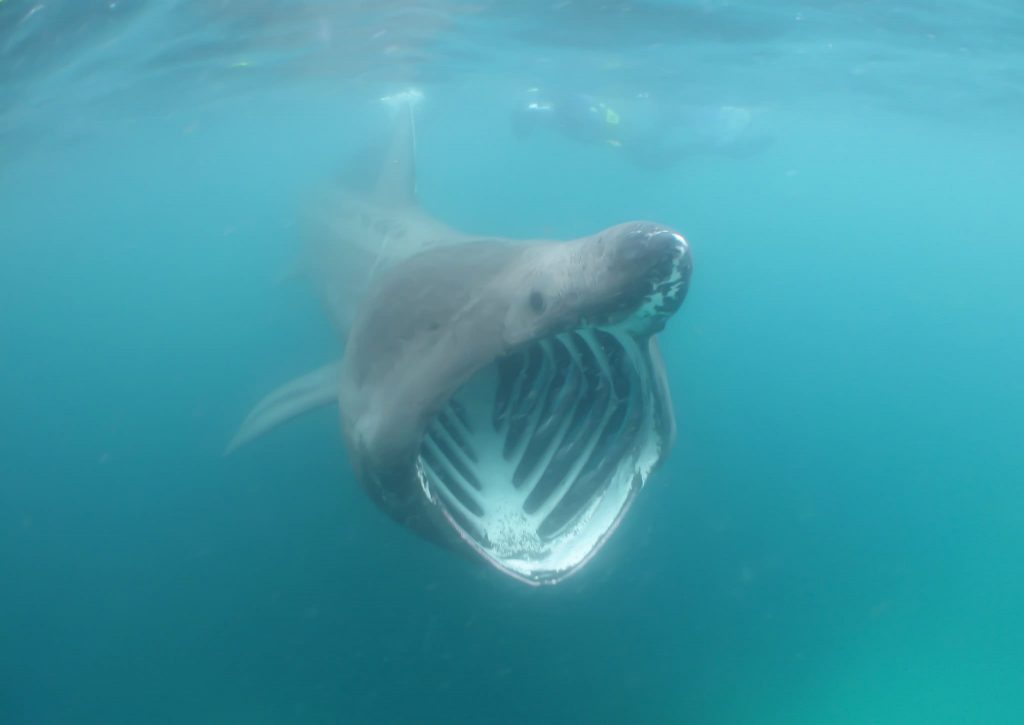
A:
(301, 395)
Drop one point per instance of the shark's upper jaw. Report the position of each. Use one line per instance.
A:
(537, 458)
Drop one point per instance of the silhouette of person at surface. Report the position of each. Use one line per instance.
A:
(650, 133)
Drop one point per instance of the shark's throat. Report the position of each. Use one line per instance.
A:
(535, 460)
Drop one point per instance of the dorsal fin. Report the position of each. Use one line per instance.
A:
(396, 182)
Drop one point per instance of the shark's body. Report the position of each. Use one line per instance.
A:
(504, 397)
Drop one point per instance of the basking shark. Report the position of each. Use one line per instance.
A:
(501, 397)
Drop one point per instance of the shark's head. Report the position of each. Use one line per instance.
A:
(535, 458)
(633, 275)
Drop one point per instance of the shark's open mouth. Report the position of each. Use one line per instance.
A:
(535, 460)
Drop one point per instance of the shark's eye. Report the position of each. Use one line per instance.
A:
(536, 302)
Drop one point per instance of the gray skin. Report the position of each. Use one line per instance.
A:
(439, 317)
(431, 319)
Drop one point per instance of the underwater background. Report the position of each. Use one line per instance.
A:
(838, 534)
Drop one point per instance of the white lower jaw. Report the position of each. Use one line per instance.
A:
(536, 459)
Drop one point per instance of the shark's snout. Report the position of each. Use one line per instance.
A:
(653, 252)
(668, 244)
(648, 272)
(650, 242)
(671, 267)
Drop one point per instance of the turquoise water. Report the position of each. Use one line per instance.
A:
(838, 534)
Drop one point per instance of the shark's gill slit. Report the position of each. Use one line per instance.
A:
(537, 456)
